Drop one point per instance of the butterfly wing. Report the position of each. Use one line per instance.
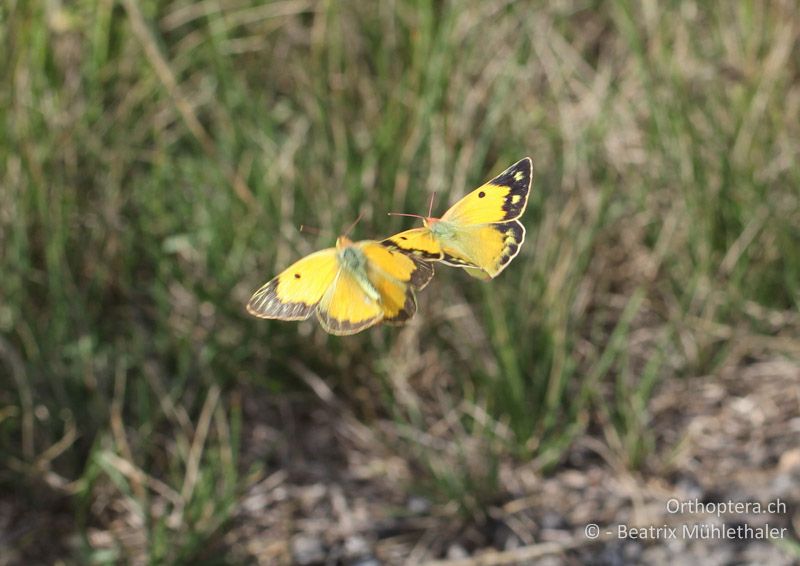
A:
(395, 275)
(502, 199)
(295, 293)
(418, 242)
(488, 247)
(350, 305)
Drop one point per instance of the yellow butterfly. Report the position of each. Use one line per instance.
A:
(480, 232)
(351, 287)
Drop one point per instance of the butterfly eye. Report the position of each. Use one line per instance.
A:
(481, 194)
(297, 276)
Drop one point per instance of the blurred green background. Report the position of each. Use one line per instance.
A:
(157, 158)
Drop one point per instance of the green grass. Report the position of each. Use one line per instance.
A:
(157, 159)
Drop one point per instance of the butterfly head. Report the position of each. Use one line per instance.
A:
(430, 221)
(344, 243)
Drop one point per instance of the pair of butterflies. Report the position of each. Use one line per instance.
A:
(359, 284)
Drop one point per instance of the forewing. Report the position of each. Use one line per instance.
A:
(418, 242)
(347, 307)
(502, 199)
(489, 247)
(295, 292)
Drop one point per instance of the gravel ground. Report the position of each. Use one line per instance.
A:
(337, 496)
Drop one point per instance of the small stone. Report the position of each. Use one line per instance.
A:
(552, 520)
(307, 549)
(789, 460)
(783, 486)
(356, 546)
(456, 552)
(418, 505)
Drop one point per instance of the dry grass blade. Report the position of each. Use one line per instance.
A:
(199, 443)
(17, 367)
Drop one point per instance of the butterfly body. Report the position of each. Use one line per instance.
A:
(353, 263)
(350, 287)
(481, 232)
(441, 228)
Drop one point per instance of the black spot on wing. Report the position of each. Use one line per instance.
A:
(518, 179)
(265, 304)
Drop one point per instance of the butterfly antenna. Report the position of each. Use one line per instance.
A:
(430, 211)
(404, 214)
(353, 225)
